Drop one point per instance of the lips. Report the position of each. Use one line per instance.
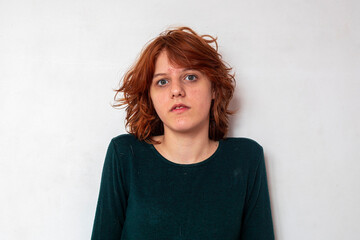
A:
(179, 107)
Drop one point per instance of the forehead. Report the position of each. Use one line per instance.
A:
(164, 64)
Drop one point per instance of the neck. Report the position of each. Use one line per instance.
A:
(186, 148)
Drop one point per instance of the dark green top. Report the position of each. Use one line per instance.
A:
(144, 196)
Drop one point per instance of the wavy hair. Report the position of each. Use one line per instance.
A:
(187, 49)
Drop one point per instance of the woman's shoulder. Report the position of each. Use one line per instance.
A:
(242, 142)
(124, 138)
(125, 142)
(245, 150)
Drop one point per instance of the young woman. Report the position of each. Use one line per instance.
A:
(176, 176)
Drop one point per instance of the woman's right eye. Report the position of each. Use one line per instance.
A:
(162, 82)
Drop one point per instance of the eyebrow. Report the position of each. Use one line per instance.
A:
(159, 74)
(164, 74)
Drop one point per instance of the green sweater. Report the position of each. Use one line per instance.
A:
(144, 196)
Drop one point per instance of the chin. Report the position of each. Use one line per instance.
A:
(184, 128)
(181, 129)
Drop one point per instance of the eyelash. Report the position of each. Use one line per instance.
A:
(167, 81)
(158, 82)
(193, 75)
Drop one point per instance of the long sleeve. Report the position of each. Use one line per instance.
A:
(112, 201)
(257, 219)
(144, 196)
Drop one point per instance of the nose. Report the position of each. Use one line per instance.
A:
(177, 89)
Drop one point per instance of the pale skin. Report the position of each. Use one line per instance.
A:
(182, 99)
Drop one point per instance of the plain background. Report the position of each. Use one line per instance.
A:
(297, 70)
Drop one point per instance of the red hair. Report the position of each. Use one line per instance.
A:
(187, 49)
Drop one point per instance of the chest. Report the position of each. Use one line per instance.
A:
(181, 202)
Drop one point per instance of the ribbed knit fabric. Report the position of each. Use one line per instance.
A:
(144, 196)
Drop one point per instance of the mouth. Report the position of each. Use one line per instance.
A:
(179, 107)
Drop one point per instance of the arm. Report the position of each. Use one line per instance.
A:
(112, 201)
(257, 220)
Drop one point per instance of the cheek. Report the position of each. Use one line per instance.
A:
(157, 100)
(203, 97)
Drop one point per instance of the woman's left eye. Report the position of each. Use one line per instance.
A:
(191, 77)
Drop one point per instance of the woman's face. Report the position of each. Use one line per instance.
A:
(181, 97)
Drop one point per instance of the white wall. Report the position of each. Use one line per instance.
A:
(297, 68)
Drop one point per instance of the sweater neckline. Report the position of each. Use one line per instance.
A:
(162, 158)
